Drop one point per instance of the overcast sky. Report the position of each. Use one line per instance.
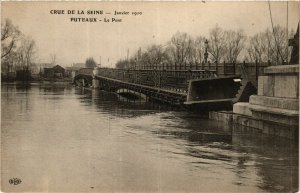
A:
(74, 42)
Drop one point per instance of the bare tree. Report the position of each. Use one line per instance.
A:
(199, 47)
(233, 45)
(258, 48)
(216, 44)
(14, 60)
(122, 64)
(19, 58)
(9, 37)
(180, 47)
(155, 55)
(270, 46)
(29, 51)
(90, 63)
(26, 53)
(278, 42)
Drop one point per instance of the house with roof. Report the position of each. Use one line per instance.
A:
(54, 72)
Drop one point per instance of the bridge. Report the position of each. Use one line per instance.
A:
(206, 88)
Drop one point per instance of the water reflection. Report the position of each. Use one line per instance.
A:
(274, 159)
(115, 145)
(116, 105)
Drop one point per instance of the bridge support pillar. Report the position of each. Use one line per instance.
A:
(96, 83)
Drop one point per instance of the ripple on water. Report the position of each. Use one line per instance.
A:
(93, 139)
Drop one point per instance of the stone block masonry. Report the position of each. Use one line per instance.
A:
(286, 86)
(275, 102)
(242, 109)
(224, 116)
(275, 108)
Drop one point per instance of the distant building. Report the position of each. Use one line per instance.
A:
(34, 68)
(54, 72)
(71, 71)
(39, 67)
(48, 72)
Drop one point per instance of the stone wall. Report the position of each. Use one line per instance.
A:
(275, 108)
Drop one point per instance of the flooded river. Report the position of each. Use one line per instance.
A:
(61, 138)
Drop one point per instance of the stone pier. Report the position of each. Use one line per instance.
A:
(275, 108)
(96, 82)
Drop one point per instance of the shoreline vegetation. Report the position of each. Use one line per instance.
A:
(5, 79)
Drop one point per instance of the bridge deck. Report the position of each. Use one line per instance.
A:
(197, 88)
(209, 101)
(184, 94)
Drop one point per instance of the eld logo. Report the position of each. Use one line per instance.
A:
(15, 181)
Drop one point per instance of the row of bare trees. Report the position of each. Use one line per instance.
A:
(230, 46)
(270, 46)
(17, 50)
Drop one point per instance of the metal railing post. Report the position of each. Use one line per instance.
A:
(256, 70)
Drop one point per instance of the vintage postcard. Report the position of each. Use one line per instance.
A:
(187, 96)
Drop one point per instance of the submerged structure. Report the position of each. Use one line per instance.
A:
(218, 93)
(199, 90)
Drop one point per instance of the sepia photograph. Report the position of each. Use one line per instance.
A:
(150, 96)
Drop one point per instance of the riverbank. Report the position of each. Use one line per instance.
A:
(38, 80)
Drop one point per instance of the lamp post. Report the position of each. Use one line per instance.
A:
(206, 53)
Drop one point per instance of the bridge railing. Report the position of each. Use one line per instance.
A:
(178, 79)
(223, 68)
(87, 71)
(166, 79)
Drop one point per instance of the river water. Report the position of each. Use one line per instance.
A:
(61, 138)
